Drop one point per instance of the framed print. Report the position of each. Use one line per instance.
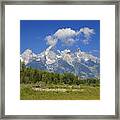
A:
(59, 59)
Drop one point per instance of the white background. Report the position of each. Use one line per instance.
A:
(13, 104)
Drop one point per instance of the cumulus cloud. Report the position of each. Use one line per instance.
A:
(51, 40)
(65, 33)
(68, 36)
(69, 41)
(87, 32)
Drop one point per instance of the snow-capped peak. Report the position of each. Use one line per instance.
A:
(67, 56)
(27, 56)
(83, 55)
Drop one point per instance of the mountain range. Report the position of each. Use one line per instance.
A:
(79, 63)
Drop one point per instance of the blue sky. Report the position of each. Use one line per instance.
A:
(37, 35)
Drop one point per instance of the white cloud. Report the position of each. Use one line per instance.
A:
(87, 32)
(51, 41)
(69, 41)
(68, 36)
(65, 33)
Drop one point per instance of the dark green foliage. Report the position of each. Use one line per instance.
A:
(30, 75)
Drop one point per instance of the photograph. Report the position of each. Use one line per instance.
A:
(59, 59)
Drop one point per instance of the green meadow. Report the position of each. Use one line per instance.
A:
(28, 92)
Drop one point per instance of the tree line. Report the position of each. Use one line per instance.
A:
(30, 75)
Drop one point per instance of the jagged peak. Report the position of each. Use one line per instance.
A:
(28, 50)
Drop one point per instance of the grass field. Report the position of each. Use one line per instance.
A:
(59, 92)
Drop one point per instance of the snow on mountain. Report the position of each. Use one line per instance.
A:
(50, 57)
(67, 56)
(80, 63)
(27, 56)
(83, 55)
